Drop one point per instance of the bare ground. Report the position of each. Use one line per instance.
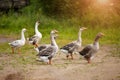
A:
(103, 67)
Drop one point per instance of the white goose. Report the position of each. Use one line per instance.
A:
(47, 54)
(37, 37)
(74, 46)
(89, 51)
(18, 43)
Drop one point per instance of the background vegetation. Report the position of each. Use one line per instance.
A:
(67, 16)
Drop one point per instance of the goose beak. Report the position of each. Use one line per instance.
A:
(101, 34)
(84, 28)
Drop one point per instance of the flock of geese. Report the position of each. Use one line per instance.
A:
(47, 51)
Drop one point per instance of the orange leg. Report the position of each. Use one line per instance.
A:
(67, 56)
(88, 60)
(36, 45)
(49, 61)
(12, 49)
(71, 56)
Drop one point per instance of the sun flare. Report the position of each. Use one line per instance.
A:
(103, 1)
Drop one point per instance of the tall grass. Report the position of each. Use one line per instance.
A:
(96, 20)
(68, 28)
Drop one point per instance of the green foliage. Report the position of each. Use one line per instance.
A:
(68, 8)
(78, 8)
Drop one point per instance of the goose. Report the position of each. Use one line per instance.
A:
(48, 53)
(43, 46)
(37, 37)
(74, 46)
(89, 51)
(18, 43)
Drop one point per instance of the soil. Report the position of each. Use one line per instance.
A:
(4, 39)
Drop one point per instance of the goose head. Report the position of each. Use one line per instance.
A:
(23, 30)
(82, 28)
(54, 33)
(100, 34)
(37, 22)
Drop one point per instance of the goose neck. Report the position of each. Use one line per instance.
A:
(36, 29)
(53, 42)
(79, 36)
(22, 36)
(96, 39)
(96, 42)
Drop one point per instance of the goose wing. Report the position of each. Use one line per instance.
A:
(46, 52)
(88, 51)
(42, 47)
(15, 43)
(33, 39)
(69, 47)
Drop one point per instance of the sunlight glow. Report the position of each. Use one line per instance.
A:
(103, 1)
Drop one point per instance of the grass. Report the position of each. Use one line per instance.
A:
(11, 25)
(68, 29)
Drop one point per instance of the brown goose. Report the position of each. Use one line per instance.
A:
(89, 51)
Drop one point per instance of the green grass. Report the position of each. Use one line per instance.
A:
(11, 25)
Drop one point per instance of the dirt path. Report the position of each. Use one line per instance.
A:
(103, 67)
(4, 39)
